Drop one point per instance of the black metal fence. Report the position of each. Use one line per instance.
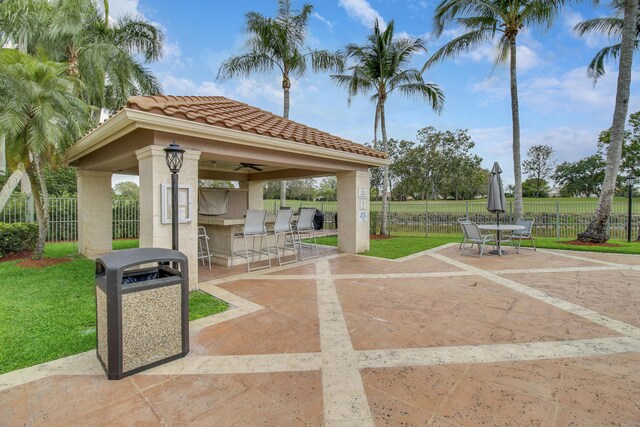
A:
(555, 219)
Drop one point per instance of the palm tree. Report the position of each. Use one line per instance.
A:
(610, 27)
(380, 68)
(483, 20)
(103, 55)
(597, 229)
(279, 43)
(40, 115)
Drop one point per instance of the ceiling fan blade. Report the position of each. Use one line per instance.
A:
(255, 168)
(238, 168)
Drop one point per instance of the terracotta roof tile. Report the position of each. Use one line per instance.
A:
(224, 112)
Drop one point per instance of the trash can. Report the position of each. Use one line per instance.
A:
(142, 313)
(318, 220)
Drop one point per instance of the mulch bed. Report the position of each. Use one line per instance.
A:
(27, 262)
(13, 257)
(579, 243)
(379, 237)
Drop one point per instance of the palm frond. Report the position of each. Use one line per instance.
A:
(244, 65)
(461, 44)
(609, 27)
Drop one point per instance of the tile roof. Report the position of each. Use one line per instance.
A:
(227, 113)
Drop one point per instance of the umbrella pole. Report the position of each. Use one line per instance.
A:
(499, 236)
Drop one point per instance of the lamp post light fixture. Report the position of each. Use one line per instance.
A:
(174, 156)
(629, 179)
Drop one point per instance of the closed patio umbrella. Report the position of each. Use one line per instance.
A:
(496, 202)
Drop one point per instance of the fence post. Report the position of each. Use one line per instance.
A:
(426, 218)
(511, 210)
(466, 209)
(557, 219)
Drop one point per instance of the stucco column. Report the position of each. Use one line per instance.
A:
(153, 172)
(255, 195)
(353, 212)
(95, 214)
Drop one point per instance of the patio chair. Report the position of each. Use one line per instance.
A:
(203, 246)
(473, 236)
(524, 234)
(464, 233)
(304, 227)
(282, 227)
(254, 226)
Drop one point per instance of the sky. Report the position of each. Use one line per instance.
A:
(559, 105)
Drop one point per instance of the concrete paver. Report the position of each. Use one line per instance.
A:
(437, 338)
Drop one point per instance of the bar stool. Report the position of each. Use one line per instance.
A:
(304, 227)
(203, 246)
(282, 226)
(254, 226)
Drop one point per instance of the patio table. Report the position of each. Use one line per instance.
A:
(500, 228)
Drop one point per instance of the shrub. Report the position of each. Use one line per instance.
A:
(17, 237)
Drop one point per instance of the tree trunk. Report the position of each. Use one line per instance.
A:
(286, 86)
(41, 202)
(384, 226)
(597, 229)
(9, 186)
(515, 118)
(3, 156)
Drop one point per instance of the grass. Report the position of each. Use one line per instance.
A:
(47, 313)
(397, 247)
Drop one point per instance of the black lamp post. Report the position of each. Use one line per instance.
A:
(629, 181)
(174, 160)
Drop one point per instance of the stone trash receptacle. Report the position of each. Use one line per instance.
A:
(142, 313)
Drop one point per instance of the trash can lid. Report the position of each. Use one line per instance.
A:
(129, 257)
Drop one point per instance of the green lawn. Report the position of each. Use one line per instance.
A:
(48, 313)
(397, 247)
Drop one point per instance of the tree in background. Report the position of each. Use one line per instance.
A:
(328, 189)
(630, 163)
(380, 67)
(538, 166)
(127, 190)
(535, 187)
(611, 27)
(61, 181)
(279, 43)
(597, 230)
(580, 178)
(41, 116)
(482, 21)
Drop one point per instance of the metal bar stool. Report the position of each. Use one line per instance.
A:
(304, 227)
(254, 226)
(282, 227)
(203, 246)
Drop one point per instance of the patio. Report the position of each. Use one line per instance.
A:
(546, 338)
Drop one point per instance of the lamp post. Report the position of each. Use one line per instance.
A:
(629, 181)
(174, 156)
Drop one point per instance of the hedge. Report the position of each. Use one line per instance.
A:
(17, 237)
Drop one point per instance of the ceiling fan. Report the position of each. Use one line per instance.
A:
(249, 166)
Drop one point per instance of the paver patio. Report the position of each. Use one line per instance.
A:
(436, 338)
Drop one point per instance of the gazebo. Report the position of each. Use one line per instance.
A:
(219, 135)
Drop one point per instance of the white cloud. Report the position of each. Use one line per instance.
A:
(571, 19)
(363, 12)
(324, 20)
(252, 90)
(172, 85)
(118, 8)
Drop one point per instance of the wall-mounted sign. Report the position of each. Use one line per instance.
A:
(185, 198)
(362, 193)
(362, 217)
